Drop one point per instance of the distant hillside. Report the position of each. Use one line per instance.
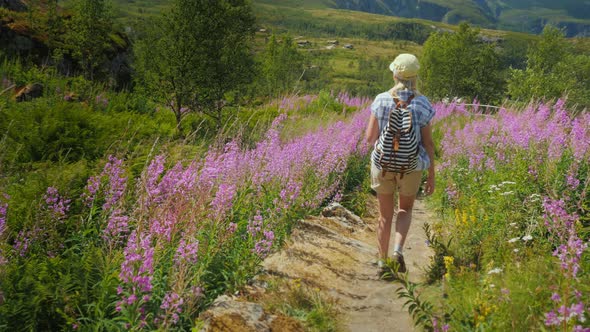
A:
(516, 15)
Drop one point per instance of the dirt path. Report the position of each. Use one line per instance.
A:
(337, 255)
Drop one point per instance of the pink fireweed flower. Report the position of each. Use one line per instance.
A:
(117, 227)
(551, 319)
(255, 225)
(24, 240)
(152, 178)
(138, 266)
(561, 226)
(263, 246)
(537, 128)
(55, 204)
(573, 182)
(222, 202)
(187, 252)
(92, 187)
(117, 182)
(102, 100)
(114, 186)
(176, 181)
(3, 212)
(172, 305)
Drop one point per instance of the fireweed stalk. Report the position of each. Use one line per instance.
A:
(176, 206)
(3, 212)
(489, 140)
(45, 232)
(113, 184)
(561, 225)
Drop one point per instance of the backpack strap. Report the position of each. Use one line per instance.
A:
(403, 104)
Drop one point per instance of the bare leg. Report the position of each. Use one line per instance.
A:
(404, 219)
(386, 208)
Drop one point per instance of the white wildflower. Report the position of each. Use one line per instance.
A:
(527, 238)
(495, 271)
(508, 182)
(513, 240)
(535, 198)
(516, 250)
(513, 224)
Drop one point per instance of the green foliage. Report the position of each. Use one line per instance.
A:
(41, 131)
(195, 54)
(436, 270)
(376, 75)
(356, 184)
(282, 66)
(420, 310)
(459, 65)
(552, 71)
(308, 305)
(43, 293)
(87, 38)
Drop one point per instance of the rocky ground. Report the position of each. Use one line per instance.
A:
(335, 254)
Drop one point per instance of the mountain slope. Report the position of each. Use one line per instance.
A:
(517, 15)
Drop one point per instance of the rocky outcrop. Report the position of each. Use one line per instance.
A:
(14, 5)
(14, 43)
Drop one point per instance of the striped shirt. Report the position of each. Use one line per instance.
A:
(422, 112)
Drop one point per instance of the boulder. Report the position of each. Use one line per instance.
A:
(335, 210)
(28, 92)
(228, 314)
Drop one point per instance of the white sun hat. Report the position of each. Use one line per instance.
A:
(405, 66)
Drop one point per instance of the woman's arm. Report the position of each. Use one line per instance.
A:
(372, 133)
(428, 144)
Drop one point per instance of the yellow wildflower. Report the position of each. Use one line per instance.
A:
(449, 260)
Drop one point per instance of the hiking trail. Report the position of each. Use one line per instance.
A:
(334, 253)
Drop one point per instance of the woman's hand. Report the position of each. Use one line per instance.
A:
(430, 184)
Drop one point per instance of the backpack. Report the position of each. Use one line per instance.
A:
(396, 150)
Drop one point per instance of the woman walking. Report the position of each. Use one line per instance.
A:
(408, 106)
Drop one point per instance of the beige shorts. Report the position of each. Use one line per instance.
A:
(387, 183)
